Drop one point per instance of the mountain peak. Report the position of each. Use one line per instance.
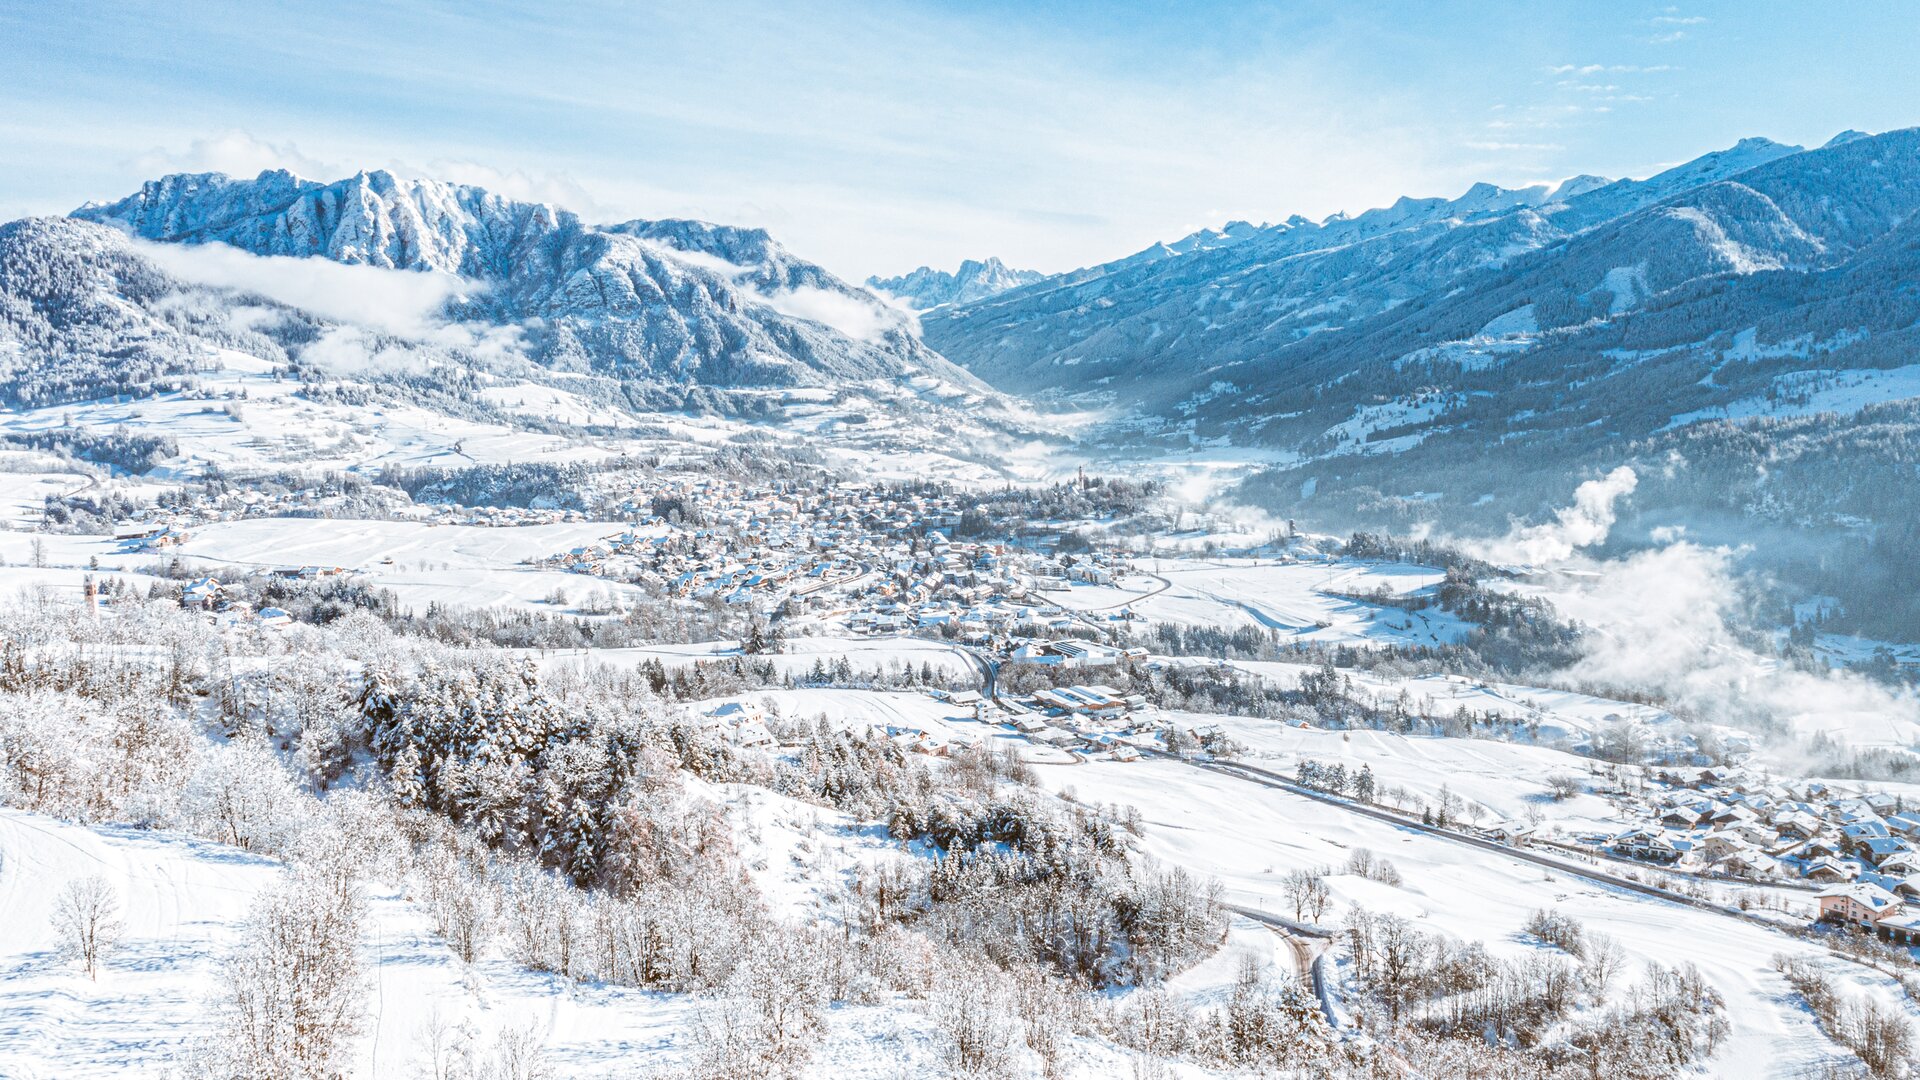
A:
(976, 279)
(669, 302)
(1845, 137)
(1578, 185)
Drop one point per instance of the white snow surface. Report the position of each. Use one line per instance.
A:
(1250, 836)
(1295, 598)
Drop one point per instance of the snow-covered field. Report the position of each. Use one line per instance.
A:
(1250, 836)
(185, 902)
(26, 482)
(273, 427)
(1554, 714)
(798, 656)
(1294, 598)
(453, 565)
(1507, 779)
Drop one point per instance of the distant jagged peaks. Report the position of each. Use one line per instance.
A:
(927, 288)
(678, 302)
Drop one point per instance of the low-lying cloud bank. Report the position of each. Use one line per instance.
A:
(382, 316)
(1666, 621)
(409, 303)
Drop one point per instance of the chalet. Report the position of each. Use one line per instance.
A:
(138, 530)
(1829, 871)
(1797, 825)
(1651, 845)
(1512, 833)
(1748, 863)
(1682, 817)
(1901, 927)
(734, 712)
(1866, 829)
(1902, 862)
(203, 593)
(751, 733)
(1819, 848)
(1716, 846)
(1876, 848)
(1857, 904)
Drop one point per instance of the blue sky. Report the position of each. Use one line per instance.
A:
(874, 137)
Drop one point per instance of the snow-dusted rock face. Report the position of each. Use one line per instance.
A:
(674, 302)
(927, 288)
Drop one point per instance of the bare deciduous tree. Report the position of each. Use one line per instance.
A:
(1307, 891)
(87, 918)
(1602, 963)
(1563, 786)
(980, 1036)
(293, 993)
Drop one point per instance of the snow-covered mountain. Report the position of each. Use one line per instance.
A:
(928, 288)
(1127, 328)
(658, 302)
(1740, 329)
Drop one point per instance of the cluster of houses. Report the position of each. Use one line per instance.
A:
(883, 561)
(207, 594)
(164, 528)
(1086, 719)
(1731, 823)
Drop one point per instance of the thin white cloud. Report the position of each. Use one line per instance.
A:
(1664, 621)
(1610, 69)
(863, 319)
(702, 259)
(554, 188)
(236, 153)
(408, 303)
(866, 317)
